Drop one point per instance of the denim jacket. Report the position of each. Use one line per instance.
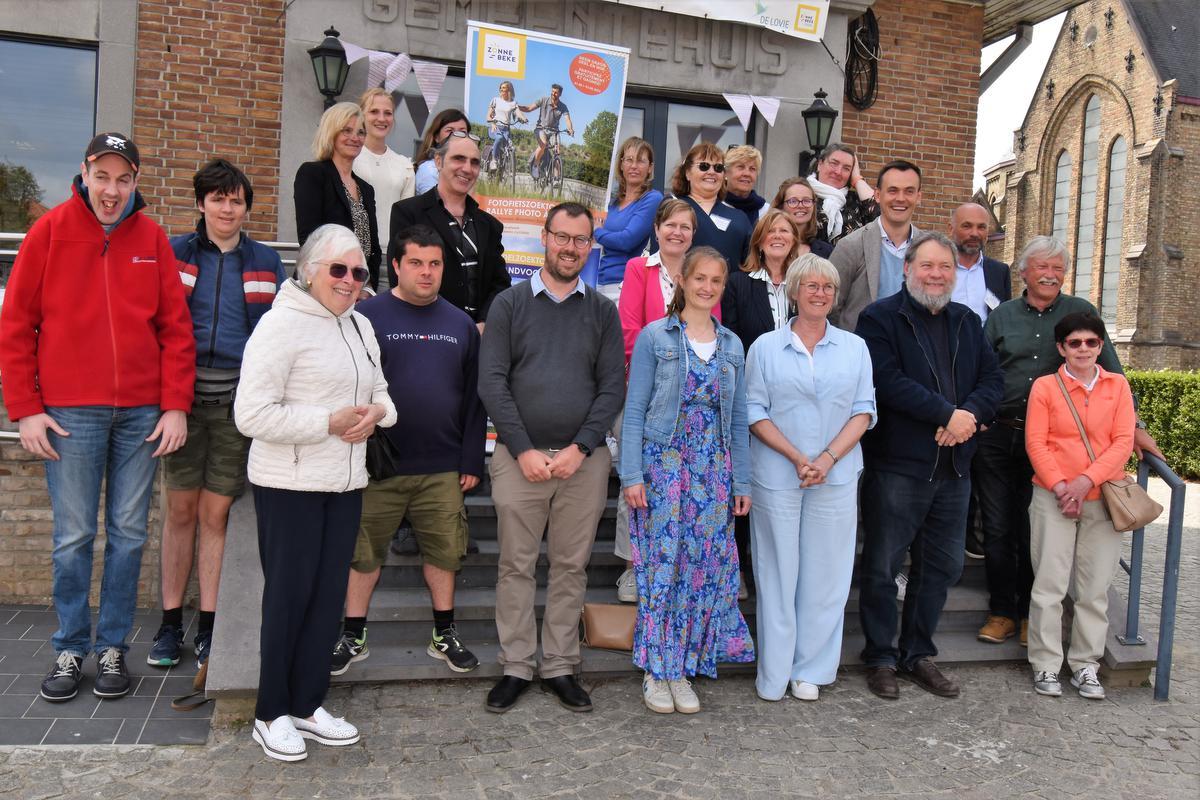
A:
(657, 373)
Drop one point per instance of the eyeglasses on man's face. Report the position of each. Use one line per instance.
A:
(563, 239)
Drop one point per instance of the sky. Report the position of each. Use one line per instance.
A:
(1002, 107)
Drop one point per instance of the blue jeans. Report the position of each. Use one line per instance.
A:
(926, 519)
(105, 444)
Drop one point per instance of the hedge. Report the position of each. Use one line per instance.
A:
(1169, 403)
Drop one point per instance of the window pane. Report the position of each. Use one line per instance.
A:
(1086, 225)
(633, 123)
(50, 115)
(688, 125)
(1062, 193)
(1115, 202)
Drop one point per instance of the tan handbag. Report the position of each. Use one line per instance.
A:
(1128, 505)
(609, 626)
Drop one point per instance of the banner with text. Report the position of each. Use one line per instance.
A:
(548, 110)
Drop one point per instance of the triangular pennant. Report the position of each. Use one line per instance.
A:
(430, 77)
(353, 52)
(377, 73)
(397, 72)
(767, 106)
(743, 106)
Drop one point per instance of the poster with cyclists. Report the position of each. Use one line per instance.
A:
(547, 109)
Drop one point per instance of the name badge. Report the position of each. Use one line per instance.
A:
(990, 300)
(721, 222)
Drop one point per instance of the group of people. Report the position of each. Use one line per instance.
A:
(750, 368)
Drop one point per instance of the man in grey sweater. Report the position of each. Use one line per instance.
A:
(551, 375)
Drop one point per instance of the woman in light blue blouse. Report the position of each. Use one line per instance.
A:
(626, 229)
(810, 397)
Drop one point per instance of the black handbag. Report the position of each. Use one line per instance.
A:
(382, 457)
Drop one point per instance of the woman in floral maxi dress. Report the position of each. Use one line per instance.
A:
(685, 469)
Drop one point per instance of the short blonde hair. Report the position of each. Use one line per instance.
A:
(332, 122)
(810, 265)
(740, 153)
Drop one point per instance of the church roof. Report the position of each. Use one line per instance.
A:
(1170, 31)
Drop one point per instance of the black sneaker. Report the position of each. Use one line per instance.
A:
(448, 648)
(112, 676)
(404, 543)
(165, 652)
(347, 651)
(62, 681)
(203, 646)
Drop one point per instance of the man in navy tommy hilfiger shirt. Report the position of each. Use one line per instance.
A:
(430, 357)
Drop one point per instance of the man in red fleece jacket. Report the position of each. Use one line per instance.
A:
(98, 363)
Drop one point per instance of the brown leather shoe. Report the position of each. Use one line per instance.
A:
(882, 682)
(997, 630)
(1024, 640)
(924, 673)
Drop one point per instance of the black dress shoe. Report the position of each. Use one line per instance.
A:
(504, 695)
(882, 682)
(570, 694)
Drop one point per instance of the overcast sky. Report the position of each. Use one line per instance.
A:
(1003, 106)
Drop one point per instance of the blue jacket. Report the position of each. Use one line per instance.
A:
(911, 408)
(657, 373)
(227, 293)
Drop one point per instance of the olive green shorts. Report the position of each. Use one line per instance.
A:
(433, 504)
(214, 455)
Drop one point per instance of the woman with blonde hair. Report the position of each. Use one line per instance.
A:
(327, 191)
(684, 469)
(389, 173)
(626, 229)
(699, 179)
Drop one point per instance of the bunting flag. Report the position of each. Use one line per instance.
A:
(397, 72)
(353, 52)
(380, 61)
(430, 77)
(768, 107)
(743, 106)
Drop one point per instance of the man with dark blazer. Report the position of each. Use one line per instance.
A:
(474, 271)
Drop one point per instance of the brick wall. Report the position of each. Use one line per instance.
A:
(927, 102)
(209, 83)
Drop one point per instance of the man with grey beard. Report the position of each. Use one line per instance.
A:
(936, 382)
(1021, 331)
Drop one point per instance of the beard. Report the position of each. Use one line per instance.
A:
(933, 303)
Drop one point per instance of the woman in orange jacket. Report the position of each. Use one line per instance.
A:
(1070, 529)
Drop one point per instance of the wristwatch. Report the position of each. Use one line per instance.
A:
(1140, 425)
(583, 448)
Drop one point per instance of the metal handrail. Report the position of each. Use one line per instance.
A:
(1170, 587)
(279, 247)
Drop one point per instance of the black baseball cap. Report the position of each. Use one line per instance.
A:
(117, 143)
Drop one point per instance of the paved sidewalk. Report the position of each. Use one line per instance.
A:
(434, 739)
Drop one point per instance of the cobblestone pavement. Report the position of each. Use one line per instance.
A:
(434, 739)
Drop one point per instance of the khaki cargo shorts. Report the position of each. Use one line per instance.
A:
(433, 504)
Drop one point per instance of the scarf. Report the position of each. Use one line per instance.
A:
(832, 202)
(748, 205)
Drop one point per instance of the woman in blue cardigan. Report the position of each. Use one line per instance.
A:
(630, 219)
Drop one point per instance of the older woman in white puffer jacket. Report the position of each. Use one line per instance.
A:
(310, 395)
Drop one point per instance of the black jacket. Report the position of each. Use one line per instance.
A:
(492, 276)
(746, 308)
(996, 278)
(911, 407)
(320, 200)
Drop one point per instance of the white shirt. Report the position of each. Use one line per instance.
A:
(776, 296)
(703, 350)
(665, 284)
(970, 289)
(391, 176)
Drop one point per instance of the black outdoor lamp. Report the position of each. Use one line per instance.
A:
(818, 124)
(330, 67)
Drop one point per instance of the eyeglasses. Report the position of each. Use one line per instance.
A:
(819, 288)
(1091, 343)
(795, 202)
(338, 270)
(562, 239)
(353, 133)
(704, 166)
(630, 162)
(463, 135)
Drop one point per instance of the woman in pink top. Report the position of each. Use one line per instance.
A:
(1070, 531)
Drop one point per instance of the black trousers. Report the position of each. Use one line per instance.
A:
(305, 542)
(1003, 478)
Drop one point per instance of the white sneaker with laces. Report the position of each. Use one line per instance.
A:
(627, 587)
(280, 740)
(657, 695)
(1087, 683)
(1046, 683)
(803, 690)
(326, 729)
(684, 696)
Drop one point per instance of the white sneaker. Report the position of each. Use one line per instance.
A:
(684, 696)
(627, 587)
(280, 741)
(1045, 682)
(326, 729)
(657, 695)
(803, 690)
(901, 586)
(1087, 683)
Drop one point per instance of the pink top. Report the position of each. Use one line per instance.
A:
(642, 299)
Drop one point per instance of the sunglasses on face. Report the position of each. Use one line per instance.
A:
(1091, 343)
(704, 166)
(338, 270)
(463, 135)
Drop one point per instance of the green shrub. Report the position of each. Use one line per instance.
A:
(1169, 403)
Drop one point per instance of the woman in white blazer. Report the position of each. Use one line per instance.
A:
(311, 394)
